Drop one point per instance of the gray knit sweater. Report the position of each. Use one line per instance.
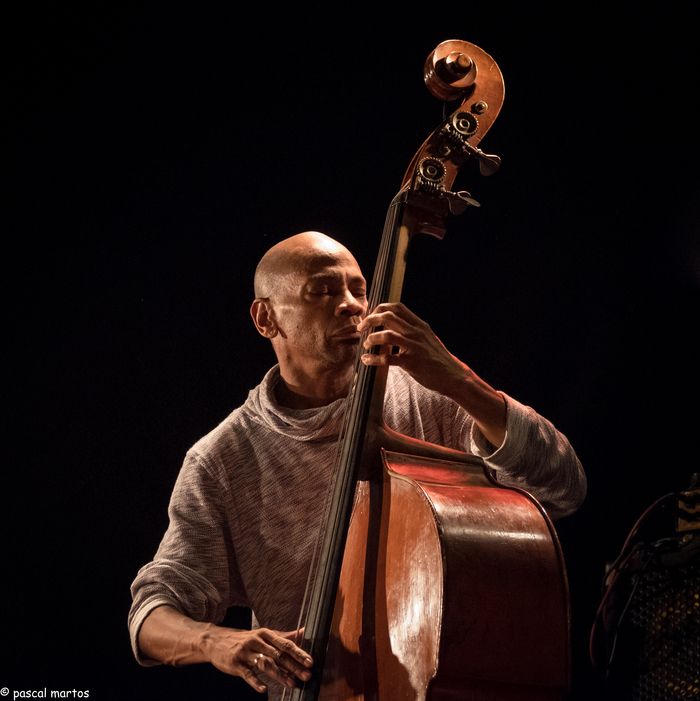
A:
(244, 511)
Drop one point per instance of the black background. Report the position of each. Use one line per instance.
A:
(158, 152)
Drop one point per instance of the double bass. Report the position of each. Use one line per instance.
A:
(430, 579)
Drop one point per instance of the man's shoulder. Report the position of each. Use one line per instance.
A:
(238, 428)
(221, 432)
(222, 436)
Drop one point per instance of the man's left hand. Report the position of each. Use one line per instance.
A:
(409, 342)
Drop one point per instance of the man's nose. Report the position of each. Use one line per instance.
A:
(351, 305)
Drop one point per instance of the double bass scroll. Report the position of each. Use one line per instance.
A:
(431, 581)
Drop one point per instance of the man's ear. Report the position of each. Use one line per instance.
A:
(264, 317)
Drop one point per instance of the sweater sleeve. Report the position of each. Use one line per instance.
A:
(194, 569)
(533, 456)
(536, 457)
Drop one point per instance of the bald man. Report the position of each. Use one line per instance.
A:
(243, 513)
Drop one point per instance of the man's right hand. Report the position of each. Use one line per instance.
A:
(256, 654)
(170, 637)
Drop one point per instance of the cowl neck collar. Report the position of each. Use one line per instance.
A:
(317, 424)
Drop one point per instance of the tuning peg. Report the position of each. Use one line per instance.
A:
(488, 163)
(459, 201)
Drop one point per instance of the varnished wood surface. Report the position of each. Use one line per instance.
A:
(467, 586)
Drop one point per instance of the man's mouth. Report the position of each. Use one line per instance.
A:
(349, 333)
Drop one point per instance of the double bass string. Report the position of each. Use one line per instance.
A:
(327, 553)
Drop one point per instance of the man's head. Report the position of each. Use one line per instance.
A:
(309, 296)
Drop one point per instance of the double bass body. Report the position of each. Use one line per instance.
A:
(461, 594)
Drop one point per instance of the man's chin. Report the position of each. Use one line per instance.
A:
(342, 355)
